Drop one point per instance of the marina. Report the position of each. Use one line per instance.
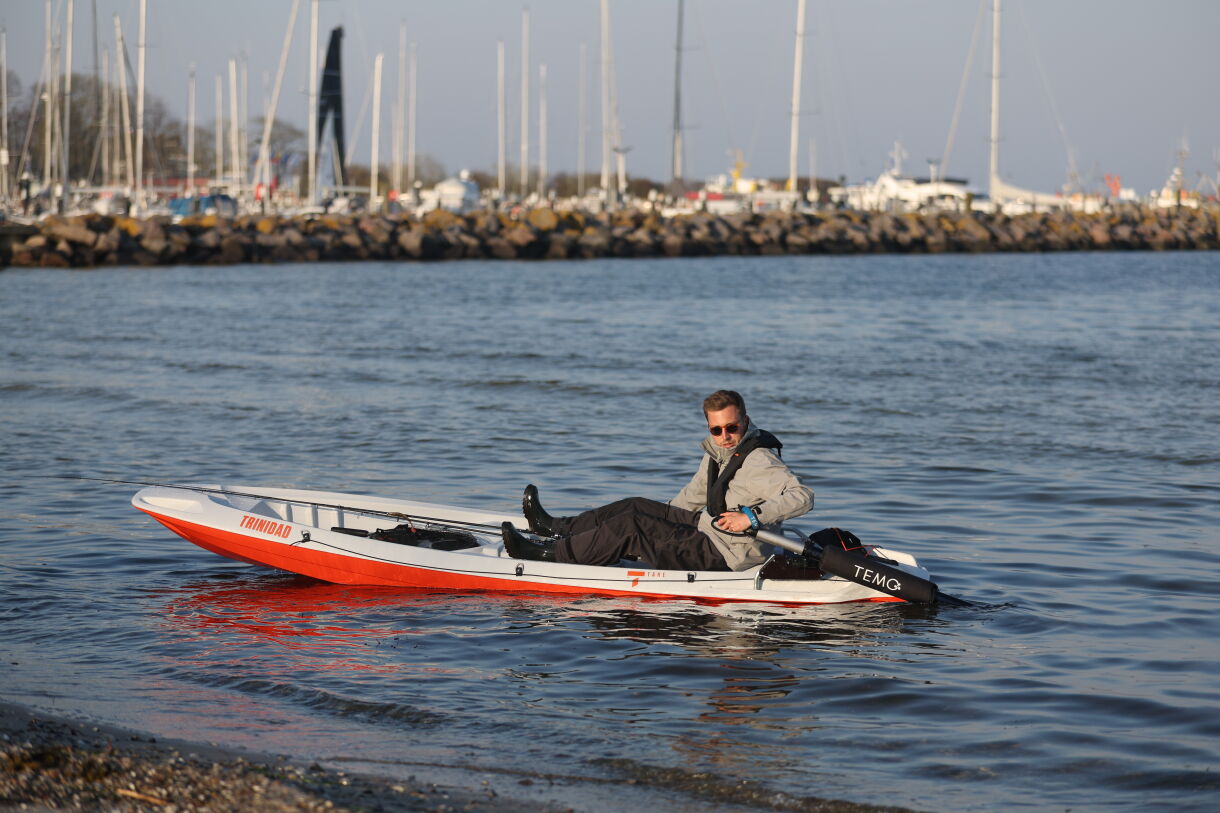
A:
(78, 144)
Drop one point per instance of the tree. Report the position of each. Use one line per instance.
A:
(164, 135)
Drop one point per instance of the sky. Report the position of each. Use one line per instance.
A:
(1118, 84)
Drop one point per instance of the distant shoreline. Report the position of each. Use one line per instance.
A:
(93, 241)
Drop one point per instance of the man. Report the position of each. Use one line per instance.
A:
(741, 485)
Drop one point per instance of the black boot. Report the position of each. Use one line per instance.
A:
(540, 522)
(518, 547)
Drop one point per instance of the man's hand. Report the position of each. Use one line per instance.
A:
(733, 521)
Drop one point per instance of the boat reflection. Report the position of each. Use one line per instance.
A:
(296, 612)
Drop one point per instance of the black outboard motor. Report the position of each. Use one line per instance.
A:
(857, 566)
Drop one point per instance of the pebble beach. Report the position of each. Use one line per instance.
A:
(52, 763)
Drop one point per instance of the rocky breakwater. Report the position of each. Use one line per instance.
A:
(91, 241)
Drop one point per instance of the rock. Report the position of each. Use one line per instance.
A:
(179, 240)
(53, 259)
(593, 243)
(559, 246)
(543, 219)
(411, 241)
(154, 245)
(284, 254)
(232, 251)
(73, 233)
(501, 249)
(108, 242)
(133, 227)
(378, 230)
(207, 239)
(440, 219)
(520, 235)
(470, 246)
(796, 244)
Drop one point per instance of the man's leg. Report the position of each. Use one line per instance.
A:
(594, 518)
(649, 534)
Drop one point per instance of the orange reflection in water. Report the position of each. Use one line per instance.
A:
(291, 613)
(319, 618)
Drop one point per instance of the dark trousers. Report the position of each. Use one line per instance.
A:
(665, 537)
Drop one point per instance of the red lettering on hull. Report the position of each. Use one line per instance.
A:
(266, 526)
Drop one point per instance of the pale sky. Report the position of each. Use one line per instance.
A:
(1120, 82)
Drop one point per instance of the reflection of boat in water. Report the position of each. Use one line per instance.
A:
(343, 538)
(314, 617)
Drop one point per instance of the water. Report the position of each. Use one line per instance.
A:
(1041, 430)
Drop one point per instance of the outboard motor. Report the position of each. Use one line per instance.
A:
(853, 563)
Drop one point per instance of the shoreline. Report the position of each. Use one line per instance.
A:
(94, 241)
(50, 762)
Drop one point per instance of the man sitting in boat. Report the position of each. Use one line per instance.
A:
(741, 485)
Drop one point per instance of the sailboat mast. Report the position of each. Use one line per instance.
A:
(109, 132)
(501, 125)
(263, 171)
(234, 126)
(607, 137)
(139, 200)
(67, 177)
(411, 116)
(375, 157)
(46, 130)
(125, 100)
(312, 112)
(220, 129)
(400, 109)
(4, 154)
(525, 101)
(676, 164)
(993, 181)
(542, 132)
(98, 93)
(797, 63)
(243, 129)
(190, 132)
(582, 121)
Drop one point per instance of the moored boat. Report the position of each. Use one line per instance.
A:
(367, 540)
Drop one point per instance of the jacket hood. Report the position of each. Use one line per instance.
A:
(722, 455)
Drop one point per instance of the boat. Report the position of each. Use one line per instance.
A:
(367, 540)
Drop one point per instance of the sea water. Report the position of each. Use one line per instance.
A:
(1041, 431)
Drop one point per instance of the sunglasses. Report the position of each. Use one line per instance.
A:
(728, 429)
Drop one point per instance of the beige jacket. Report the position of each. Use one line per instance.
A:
(764, 482)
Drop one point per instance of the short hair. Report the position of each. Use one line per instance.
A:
(721, 399)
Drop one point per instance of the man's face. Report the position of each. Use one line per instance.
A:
(726, 426)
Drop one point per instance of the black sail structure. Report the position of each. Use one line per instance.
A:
(330, 103)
